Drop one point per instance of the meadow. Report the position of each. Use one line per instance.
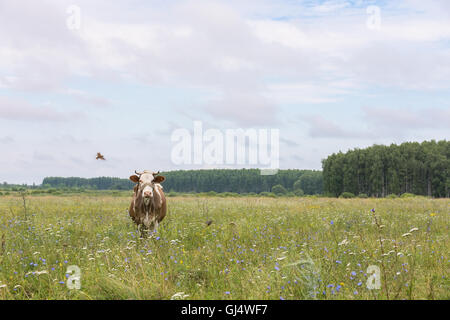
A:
(255, 248)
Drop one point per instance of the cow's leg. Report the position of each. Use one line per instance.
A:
(143, 231)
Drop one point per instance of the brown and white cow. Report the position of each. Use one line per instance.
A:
(148, 207)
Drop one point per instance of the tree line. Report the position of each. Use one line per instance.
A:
(378, 171)
(217, 180)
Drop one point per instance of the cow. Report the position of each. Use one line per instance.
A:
(148, 207)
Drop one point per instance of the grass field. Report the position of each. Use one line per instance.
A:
(256, 248)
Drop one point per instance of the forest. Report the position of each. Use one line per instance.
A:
(379, 171)
(218, 180)
(376, 171)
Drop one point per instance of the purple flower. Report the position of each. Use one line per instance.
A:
(227, 292)
(276, 268)
(331, 222)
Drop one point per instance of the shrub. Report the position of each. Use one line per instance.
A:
(347, 195)
(392, 196)
(267, 194)
(228, 194)
(299, 192)
(407, 195)
(279, 189)
(363, 196)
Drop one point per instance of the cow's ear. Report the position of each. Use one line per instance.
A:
(159, 179)
(134, 178)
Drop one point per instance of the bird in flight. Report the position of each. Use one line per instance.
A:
(100, 156)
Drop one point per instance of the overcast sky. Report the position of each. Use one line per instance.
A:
(329, 75)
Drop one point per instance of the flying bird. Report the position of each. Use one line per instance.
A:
(100, 156)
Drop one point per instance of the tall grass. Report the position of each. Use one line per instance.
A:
(252, 248)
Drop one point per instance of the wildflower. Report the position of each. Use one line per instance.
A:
(359, 284)
(338, 261)
(355, 292)
(276, 268)
(353, 273)
(179, 296)
(227, 292)
(406, 234)
(331, 222)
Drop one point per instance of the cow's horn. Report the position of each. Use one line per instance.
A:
(138, 173)
(155, 173)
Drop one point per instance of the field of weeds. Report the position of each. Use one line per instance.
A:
(255, 248)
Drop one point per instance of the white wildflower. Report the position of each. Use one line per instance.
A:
(179, 296)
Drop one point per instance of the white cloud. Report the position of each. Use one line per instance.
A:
(21, 110)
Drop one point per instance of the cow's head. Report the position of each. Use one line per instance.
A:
(146, 184)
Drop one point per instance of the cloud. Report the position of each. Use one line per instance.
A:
(321, 127)
(20, 110)
(246, 109)
(407, 118)
(289, 142)
(6, 139)
(85, 97)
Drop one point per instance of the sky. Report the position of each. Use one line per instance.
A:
(81, 77)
